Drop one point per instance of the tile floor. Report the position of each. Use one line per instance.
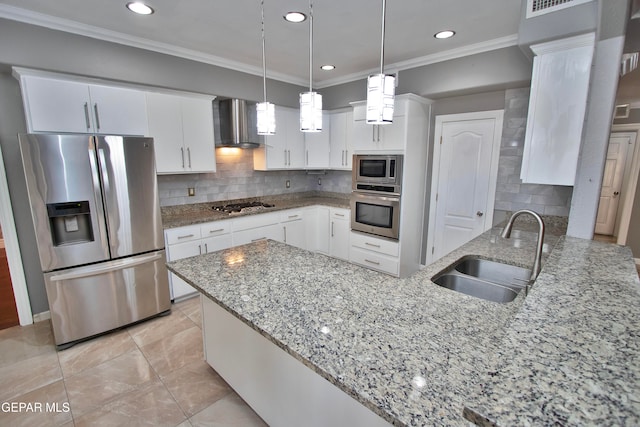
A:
(150, 374)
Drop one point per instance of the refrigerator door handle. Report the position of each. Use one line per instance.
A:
(104, 268)
(97, 191)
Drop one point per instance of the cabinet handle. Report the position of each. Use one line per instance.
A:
(331, 228)
(371, 262)
(185, 236)
(86, 115)
(206, 249)
(216, 231)
(200, 249)
(373, 133)
(346, 157)
(378, 132)
(258, 239)
(285, 234)
(95, 109)
(307, 160)
(182, 151)
(285, 157)
(292, 216)
(371, 244)
(289, 151)
(339, 214)
(189, 156)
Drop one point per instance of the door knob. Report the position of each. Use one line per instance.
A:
(615, 193)
(479, 213)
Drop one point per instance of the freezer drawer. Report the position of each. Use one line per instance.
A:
(87, 301)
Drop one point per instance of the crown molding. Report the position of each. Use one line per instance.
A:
(472, 49)
(73, 27)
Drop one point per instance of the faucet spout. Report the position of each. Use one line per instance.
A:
(506, 233)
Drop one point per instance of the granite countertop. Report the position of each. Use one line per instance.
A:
(418, 354)
(198, 213)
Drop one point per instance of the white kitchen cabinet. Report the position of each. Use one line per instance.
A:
(285, 149)
(59, 105)
(339, 231)
(372, 138)
(323, 230)
(557, 105)
(341, 147)
(182, 128)
(293, 227)
(317, 145)
(257, 227)
(180, 288)
(374, 252)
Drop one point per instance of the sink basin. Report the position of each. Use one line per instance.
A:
(475, 287)
(494, 272)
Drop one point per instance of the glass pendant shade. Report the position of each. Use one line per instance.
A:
(381, 90)
(310, 112)
(266, 118)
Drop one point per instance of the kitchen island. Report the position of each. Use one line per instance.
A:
(414, 353)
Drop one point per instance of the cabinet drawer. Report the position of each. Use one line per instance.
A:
(373, 260)
(217, 228)
(383, 246)
(291, 215)
(255, 221)
(337, 213)
(182, 234)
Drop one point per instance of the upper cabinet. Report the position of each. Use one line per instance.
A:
(285, 149)
(557, 104)
(389, 137)
(65, 106)
(341, 148)
(182, 128)
(317, 145)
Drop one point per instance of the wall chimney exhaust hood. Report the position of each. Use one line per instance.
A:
(234, 124)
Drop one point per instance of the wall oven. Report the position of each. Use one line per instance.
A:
(377, 173)
(375, 214)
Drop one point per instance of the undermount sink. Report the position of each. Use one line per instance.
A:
(475, 287)
(481, 278)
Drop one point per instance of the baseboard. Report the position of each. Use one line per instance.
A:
(39, 317)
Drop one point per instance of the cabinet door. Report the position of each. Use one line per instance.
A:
(118, 111)
(317, 145)
(363, 136)
(179, 287)
(165, 127)
(273, 232)
(197, 130)
(56, 105)
(338, 141)
(275, 146)
(392, 136)
(295, 139)
(340, 230)
(323, 230)
(216, 243)
(295, 233)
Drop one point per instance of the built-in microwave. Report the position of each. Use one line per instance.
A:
(377, 173)
(376, 214)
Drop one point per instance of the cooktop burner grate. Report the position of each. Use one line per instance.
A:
(236, 208)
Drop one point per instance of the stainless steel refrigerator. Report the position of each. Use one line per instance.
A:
(95, 209)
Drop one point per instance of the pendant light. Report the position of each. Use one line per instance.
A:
(381, 89)
(310, 102)
(265, 111)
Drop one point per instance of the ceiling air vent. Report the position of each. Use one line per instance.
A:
(540, 7)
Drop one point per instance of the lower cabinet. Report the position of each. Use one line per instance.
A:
(376, 253)
(293, 228)
(333, 229)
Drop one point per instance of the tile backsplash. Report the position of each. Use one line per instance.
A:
(235, 179)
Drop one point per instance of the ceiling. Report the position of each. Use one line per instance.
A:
(346, 32)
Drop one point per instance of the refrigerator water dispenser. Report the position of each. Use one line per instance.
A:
(70, 222)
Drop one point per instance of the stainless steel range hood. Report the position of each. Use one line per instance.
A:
(234, 124)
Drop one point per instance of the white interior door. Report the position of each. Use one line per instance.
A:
(464, 181)
(612, 183)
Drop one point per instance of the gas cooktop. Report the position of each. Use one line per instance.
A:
(238, 208)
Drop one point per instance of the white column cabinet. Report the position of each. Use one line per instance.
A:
(557, 105)
(372, 138)
(59, 105)
(182, 128)
(339, 232)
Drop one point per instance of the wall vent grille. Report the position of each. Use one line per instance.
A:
(540, 7)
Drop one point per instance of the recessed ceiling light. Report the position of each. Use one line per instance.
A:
(139, 8)
(444, 34)
(328, 67)
(295, 17)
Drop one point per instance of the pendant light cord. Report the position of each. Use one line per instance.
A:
(384, 11)
(310, 46)
(264, 59)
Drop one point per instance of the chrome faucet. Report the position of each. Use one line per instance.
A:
(506, 233)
